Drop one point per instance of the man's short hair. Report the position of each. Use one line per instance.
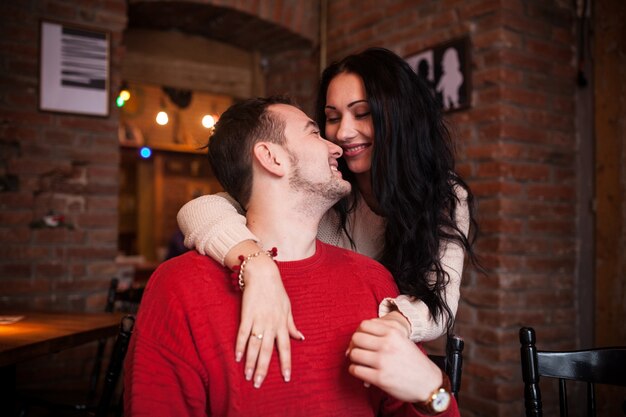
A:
(237, 131)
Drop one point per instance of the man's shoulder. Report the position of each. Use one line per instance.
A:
(186, 270)
(189, 261)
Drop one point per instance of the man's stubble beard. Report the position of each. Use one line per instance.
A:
(325, 193)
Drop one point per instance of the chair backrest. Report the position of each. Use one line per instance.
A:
(452, 362)
(115, 365)
(593, 366)
(126, 301)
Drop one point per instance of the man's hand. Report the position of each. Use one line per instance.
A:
(382, 355)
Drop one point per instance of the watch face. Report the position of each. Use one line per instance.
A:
(441, 401)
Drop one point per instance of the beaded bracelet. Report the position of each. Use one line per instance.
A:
(238, 270)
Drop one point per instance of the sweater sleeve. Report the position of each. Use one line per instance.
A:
(423, 327)
(213, 225)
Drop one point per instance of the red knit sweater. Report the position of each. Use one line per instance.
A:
(181, 358)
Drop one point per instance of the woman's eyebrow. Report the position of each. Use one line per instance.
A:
(328, 106)
(356, 102)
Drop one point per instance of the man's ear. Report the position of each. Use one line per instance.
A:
(270, 156)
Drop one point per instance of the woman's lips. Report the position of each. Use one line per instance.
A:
(354, 150)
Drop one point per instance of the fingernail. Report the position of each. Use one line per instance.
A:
(238, 356)
(347, 352)
(258, 381)
(287, 375)
(366, 385)
(301, 335)
(248, 374)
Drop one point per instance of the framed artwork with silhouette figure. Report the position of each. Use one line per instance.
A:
(446, 70)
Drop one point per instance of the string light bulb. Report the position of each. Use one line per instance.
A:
(123, 96)
(208, 121)
(162, 118)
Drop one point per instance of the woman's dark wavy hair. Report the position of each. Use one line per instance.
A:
(413, 174)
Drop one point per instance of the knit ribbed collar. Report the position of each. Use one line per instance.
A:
(307, 263)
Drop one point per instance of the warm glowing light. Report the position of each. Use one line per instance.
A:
(162, 118)
(125, 95)
(208, 121)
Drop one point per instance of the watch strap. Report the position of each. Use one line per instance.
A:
(426, 407)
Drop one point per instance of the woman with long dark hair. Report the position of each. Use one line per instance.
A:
(408, 208)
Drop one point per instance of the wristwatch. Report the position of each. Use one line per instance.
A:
(439, 400)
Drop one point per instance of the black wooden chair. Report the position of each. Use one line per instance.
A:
(111, 378)
(125, 300)
(593, 366)
(452, 362)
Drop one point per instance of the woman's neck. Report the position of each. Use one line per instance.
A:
(364, 183)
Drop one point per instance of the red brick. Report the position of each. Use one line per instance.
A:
(523, 172)
(12, 287)
(532, 99)
(501, 226)
(105, 268)
(508, 318)
(522, 60)
(551, 227)
(83, 253)
(58, 235)
(523, 24)
(551, 192)
(15, 234)
(559, 265)
(36, 165)
(498, 151)
(495, 188)
(9, 270)
(51, 270)
(549, 50)
(20, 252)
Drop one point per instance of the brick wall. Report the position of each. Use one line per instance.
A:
(516, 146)
(66, 163)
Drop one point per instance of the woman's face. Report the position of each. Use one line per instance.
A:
(349, 121)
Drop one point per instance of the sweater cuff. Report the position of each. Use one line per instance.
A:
(222, 243)
(423, 328)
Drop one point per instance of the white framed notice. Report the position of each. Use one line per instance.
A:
(74, 69)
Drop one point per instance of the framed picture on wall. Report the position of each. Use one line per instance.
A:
(446, 70)
(74, 65)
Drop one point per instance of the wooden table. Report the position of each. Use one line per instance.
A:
(40, 333)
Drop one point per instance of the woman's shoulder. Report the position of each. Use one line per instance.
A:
(460, 192)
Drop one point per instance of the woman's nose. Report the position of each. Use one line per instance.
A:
(346, 130)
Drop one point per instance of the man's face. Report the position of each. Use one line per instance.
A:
(313, 159)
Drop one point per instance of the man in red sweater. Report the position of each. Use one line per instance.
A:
(269, 155)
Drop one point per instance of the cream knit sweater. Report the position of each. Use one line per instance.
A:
(213, 224)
